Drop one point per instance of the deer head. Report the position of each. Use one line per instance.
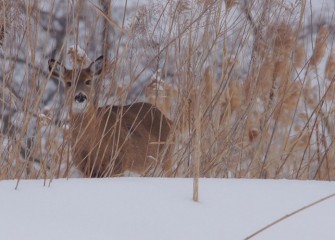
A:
(78, 83)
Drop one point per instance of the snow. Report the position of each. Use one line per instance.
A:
(78, 56)
(159, 208)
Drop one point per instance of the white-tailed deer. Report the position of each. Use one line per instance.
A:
(111, 140)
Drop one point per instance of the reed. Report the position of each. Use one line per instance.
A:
(247, 85)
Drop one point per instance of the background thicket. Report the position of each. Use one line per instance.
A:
(249, 85)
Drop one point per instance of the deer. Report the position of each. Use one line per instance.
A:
(111, 140)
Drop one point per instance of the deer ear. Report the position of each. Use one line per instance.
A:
(57, 69)
(97, 65)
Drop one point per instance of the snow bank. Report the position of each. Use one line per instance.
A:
(151, 208)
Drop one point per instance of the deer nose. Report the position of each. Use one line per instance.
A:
(80, 98)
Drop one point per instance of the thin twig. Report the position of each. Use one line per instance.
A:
(290, 215)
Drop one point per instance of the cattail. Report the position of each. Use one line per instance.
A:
(139, 24)
(252, 134)
(330, 67)
(206, 3)
(309, 94)
(282, 69)
(182, 6)
(236, 96)
(208, 87)
(265, 76)
(12, 19)
(299, 56)
(283, 42)
(320, 45)
(291, 95)
(283, 45)
(231, 101)
(230, 4)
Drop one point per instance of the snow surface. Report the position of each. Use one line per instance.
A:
(158, 208)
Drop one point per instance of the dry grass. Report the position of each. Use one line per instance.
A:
(244, 85)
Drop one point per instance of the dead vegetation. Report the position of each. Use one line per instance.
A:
(250, 93)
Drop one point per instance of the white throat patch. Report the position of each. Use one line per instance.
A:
(79, 107)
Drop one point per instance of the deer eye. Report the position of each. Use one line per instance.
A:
(68, 84)
(88, 82)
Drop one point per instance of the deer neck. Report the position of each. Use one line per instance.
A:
(84, 124)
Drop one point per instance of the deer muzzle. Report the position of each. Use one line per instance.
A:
(80, 98)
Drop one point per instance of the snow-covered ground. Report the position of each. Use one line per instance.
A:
(157, 208)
